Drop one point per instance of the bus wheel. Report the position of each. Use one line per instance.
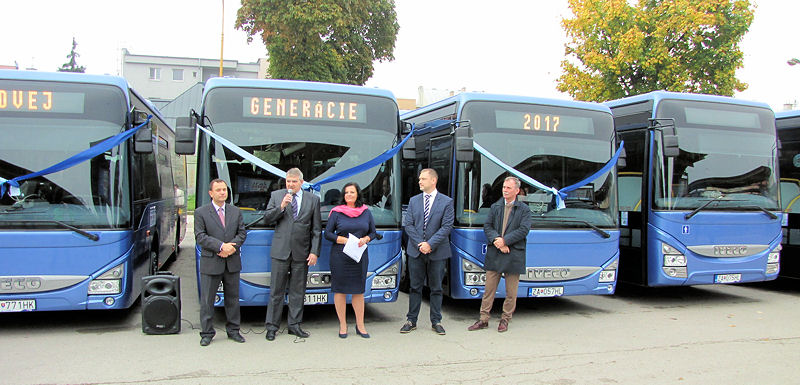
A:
(153, 261)
(177, 239)
(405, 282)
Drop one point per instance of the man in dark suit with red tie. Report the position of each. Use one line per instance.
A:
(427, 223)
(219, 231)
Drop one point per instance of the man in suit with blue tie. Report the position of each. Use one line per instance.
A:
(506, 230)
(427, 223)
(295, 246)
(219, 231)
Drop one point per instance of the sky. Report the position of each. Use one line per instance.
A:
(501, 46)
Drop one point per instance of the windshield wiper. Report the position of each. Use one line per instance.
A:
(765, 211)
(704, 205)
(602, 232)
(64, 225)
(717, 199)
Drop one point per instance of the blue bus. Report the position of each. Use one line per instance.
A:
(82, 238)
(252, 131)
(788, 125)
(474, 141)
(698, 197)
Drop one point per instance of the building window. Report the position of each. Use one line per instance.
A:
(194, 74)
(177, 74)
(155, 73)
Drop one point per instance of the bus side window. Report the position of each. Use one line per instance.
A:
(629, 177)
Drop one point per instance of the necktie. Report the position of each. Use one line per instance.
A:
(427, 210)
(294, 206)
(221, 213)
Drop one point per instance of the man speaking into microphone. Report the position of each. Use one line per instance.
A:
(295, 246)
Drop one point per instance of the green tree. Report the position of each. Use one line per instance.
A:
(618, 49)
(72, 64)
(322, 40)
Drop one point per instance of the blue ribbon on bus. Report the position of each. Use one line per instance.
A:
(76, 159)
(386, 155)
(559, 194)
(247, 156)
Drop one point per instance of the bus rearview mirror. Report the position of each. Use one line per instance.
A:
(410, 149)
(671, 148)
(143, 140)
(185, 134)
(464, 146)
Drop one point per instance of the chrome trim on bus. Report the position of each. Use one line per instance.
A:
(17, 284)
(557, 273)
(727, 251)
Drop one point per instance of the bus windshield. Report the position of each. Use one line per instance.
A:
(577, 144)
(727, 154)
(44, 123)
(318, 147)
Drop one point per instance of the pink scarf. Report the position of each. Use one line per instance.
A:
(351, 212)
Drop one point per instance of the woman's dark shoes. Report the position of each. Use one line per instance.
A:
(363, 335)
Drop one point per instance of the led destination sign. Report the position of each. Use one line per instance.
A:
(544, 123)
(303, 109)
(26, 100)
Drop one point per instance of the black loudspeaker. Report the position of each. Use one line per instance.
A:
(161, 304)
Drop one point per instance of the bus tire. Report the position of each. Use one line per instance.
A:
(405, 282)
(154, 259)
(177, 239)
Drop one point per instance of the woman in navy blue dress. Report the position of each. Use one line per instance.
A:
(347, 276)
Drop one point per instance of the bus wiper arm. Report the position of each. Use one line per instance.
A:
(67, 226)
(770, 213)
(602, 232)
(704, 205)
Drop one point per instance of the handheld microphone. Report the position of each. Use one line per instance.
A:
(290, 191)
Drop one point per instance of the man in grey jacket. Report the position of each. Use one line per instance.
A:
(295, 246)
(506, 231)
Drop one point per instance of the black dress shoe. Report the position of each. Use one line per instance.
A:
(236, 337)
(204, 341)
(297, 331)
(270, 335)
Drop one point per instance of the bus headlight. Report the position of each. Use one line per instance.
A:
(473, 275)
(609, 274)
(672, 257)
(109, 282)
(318, 279)
(384, 282)
(387, 279)
(775, 255)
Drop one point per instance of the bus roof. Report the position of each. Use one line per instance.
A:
(297, 85)
(787, 114)
(476, 96)
(67, 77)
(658, 96)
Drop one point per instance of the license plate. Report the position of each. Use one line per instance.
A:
(727, 278)
(316, 299)
(546, 291)
(16, 305)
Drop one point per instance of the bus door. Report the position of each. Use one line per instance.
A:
(632, 180)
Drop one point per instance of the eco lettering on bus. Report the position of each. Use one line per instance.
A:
(41, 101)
(267, 107)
